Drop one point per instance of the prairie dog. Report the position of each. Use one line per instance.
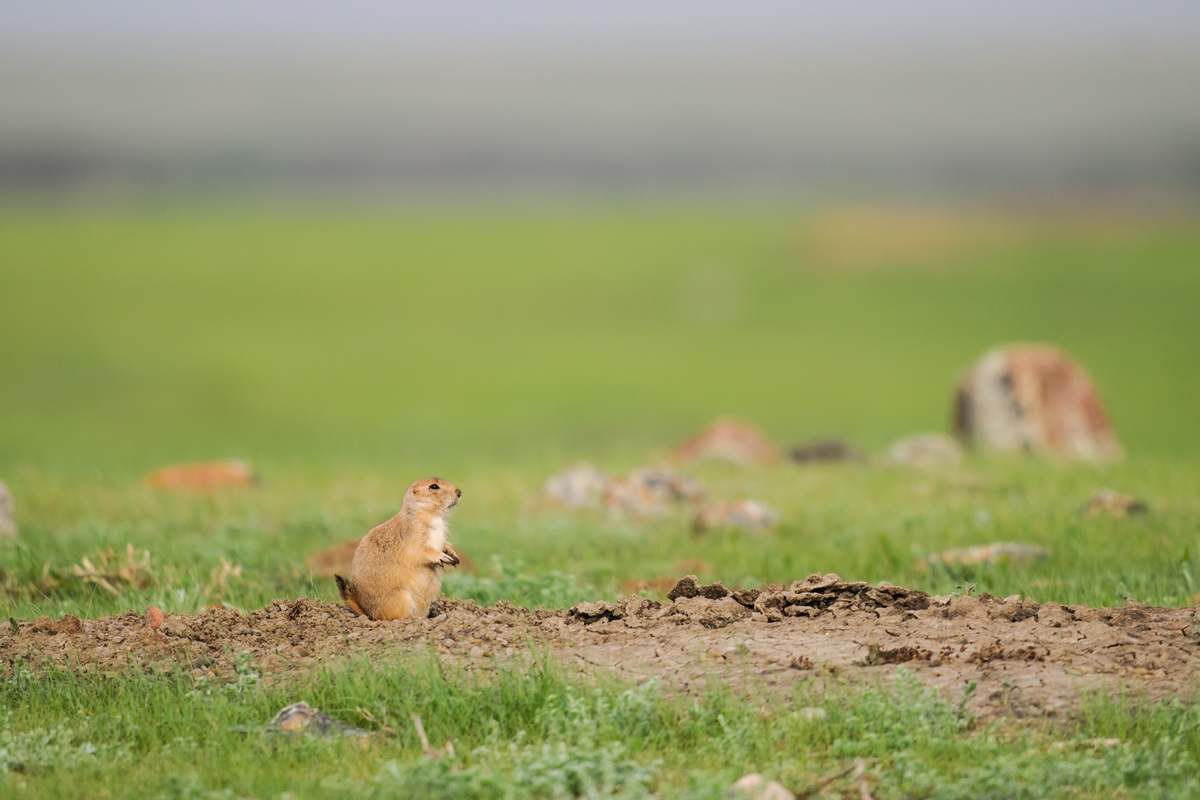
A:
(397, 571)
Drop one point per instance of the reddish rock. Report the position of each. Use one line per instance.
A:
(728, 440)
(202, 477)
(1035, 399)
(154, 618)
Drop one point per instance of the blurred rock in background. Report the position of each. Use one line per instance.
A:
(1033, 399)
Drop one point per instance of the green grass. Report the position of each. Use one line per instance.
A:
(863, 522)
(533, 731)
(348, 354)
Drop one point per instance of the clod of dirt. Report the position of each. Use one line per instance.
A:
(154, 618)
(805, 598)
(925, 451)
(599, 610)
(728, 440)
(203, 477)
(995, 652)
(1115, 504)
(1033, 399)
(756, 787)
(687, 586)
(745, 515)
(896, 655)
(824, 451)
(303, 718)
(1014, 554)
(8, 515)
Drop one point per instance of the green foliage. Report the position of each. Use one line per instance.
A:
(530, 730)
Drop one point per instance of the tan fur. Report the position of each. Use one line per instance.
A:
(398, 565)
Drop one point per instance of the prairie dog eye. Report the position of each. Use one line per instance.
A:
(434, 486)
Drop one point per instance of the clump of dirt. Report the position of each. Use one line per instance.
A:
(1026, 657)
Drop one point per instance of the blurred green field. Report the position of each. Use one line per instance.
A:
(437, 340)
(346, 354)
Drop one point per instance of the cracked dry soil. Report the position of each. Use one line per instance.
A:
(1027, 658)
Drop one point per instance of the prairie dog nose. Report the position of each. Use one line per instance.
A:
(458, 492)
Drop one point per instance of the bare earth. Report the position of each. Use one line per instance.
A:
(1027, 658)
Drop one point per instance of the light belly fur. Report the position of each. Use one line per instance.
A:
(437, 533)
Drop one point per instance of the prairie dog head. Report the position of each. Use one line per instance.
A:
(433, 496)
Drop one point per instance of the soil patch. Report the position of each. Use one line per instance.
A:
(1026, 658)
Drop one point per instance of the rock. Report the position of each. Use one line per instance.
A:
(8, 515)
(824, 450)
(651, 491)
(728, 440)
(1033, 399)
(154, 618)
(578, 486)
(644, 492)
(303, 718)
(203, 477)
(756, 787)
(925, 451)
(596, 610)
(1107, 501)
(1014, 554)
(746, 515)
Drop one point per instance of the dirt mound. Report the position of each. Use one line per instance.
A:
(1026, 657)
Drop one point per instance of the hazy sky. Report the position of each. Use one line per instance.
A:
(349, 28)
(782, 97)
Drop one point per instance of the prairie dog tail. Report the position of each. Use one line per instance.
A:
(347, 593)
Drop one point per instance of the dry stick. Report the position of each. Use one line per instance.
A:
(860, 772)
(828, 779)
(448, 750)
(367, 715)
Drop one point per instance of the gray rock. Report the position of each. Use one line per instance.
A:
(8, 516)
